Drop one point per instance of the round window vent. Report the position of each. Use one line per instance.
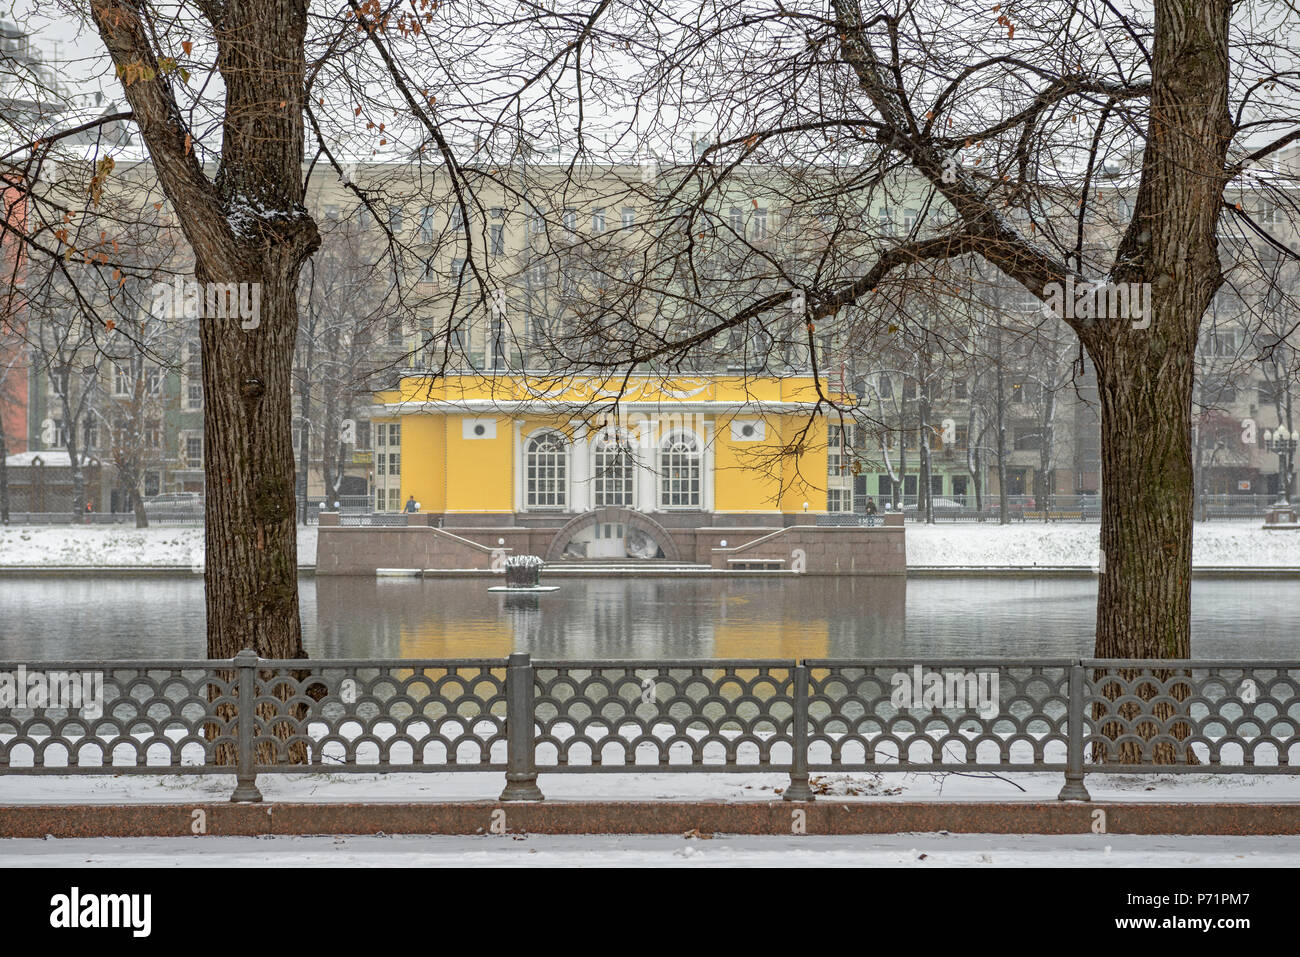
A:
(479, 429)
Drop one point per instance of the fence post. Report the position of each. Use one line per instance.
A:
(246, 722)
(521, 772)
(1074, 789)
(798, 789)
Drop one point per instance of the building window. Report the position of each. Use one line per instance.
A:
(613, 475)
(426, 225)
(395, 219)
(121, 381)
(598, 220)
(628, 216)
(152, 434)
(839, 450)
(153, 380)
(152, 484)
(736, 221)
(679, 471)
(571, 219)
(194, 451)
(193, 376)
(90, 434)
(839, 499)
(760, 223)
(546, 460)
(497, 237)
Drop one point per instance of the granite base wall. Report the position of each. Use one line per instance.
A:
(421, 544)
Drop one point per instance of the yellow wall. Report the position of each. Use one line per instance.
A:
(480, 472)
(423, 458)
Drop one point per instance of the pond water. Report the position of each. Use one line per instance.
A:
(99, 617)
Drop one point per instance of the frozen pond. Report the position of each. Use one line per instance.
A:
(101, 617)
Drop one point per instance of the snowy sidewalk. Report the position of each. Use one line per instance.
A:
(635, 786)
(116, 547)
(975, 545)
(602, 850)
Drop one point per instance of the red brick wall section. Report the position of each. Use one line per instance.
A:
(826, 550)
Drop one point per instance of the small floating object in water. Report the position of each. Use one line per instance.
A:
(523, 574)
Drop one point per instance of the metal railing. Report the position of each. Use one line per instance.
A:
(166, 516)
(1064, 508)
(523, 717)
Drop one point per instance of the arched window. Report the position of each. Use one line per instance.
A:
(612, 471)
(679, 471)
(546, 471)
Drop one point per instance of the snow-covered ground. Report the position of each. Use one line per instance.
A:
(638, 850)
(901, 850)
(636, 786)
(120, 546)
(1215, 545)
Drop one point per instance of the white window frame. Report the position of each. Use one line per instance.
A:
(662, 450)
(599, 477)
(564, 491)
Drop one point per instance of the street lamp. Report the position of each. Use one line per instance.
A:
(1284, 444)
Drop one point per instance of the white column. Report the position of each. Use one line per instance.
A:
(706, 468)
(517, 430)
(580, 471)
(647, 465)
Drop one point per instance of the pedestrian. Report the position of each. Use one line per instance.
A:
(871, 505)
(410, 504)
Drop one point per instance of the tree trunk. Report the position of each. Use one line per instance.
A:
(137, 501)
(1144, 602)
(251, 574)
(74, 463)
(1000, 412)
(1045, 469)
(923, 414)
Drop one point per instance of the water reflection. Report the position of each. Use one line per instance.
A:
(54, 618)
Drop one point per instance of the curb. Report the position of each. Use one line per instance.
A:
(825, 816)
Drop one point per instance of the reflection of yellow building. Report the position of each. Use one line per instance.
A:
(786, 638)
(676, 450)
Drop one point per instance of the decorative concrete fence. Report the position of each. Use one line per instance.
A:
(528, 718)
